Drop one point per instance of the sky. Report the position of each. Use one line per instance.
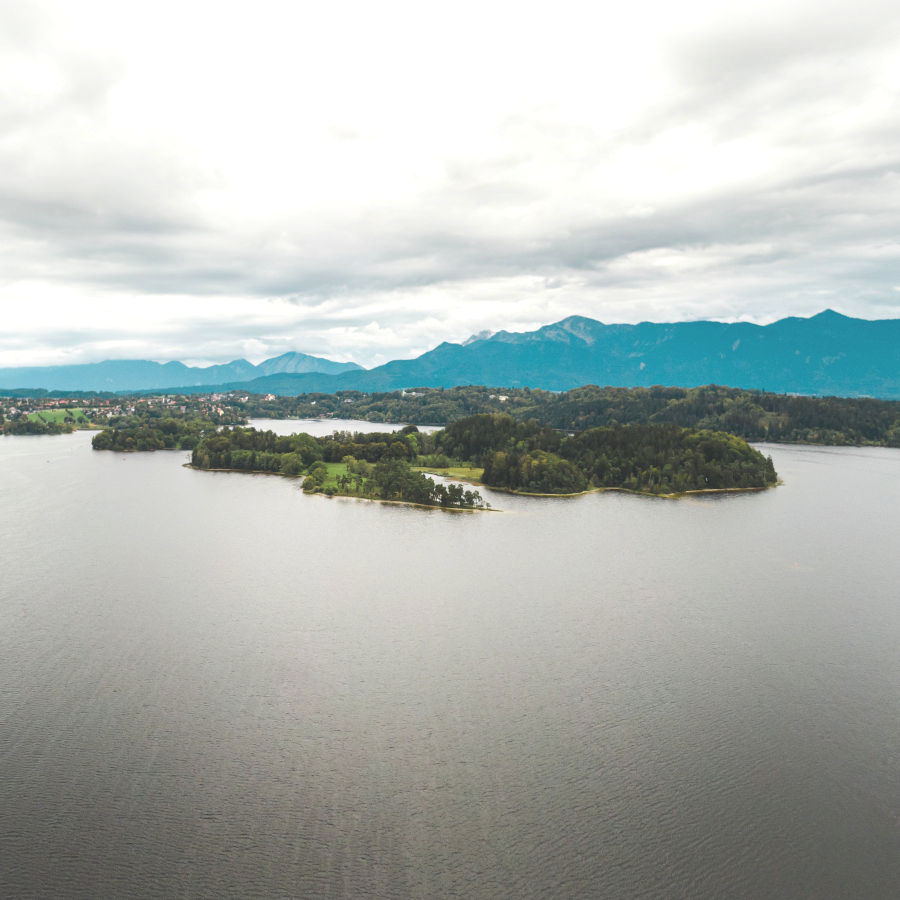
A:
(361, 181)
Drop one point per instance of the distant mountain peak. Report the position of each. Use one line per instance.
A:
(576, 323)
(581, 328)
(485, 335)
(148, 375)
(294, 362)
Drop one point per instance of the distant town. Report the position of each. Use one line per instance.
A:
(68, 413)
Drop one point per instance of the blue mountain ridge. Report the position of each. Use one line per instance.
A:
(826, 354)
(144, 375)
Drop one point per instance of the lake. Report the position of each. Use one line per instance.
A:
(212, 684)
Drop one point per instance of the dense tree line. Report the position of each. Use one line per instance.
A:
(667, 458)
(752, 415)
(43, 393)
(257, 451)
(395, 480)
(30, 425)
(373, 447)
(371, 465)
(151, 428)
(658, 459)
(519, 456)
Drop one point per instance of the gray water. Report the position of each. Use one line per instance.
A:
(212, 684)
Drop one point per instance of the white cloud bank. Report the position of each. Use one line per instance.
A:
(210, 180)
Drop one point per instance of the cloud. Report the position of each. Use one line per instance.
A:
(364, 181)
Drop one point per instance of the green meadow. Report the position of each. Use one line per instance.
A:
(59, 415)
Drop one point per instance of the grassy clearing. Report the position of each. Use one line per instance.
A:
(58, 415)
(335, 471)
(460, 473)
(53, 415)
(352, 486)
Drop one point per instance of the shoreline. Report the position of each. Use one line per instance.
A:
(623, 490)
(602, 490)
(502, 490)
(453, 509)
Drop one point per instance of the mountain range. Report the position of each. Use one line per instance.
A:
(145, 375)
(826, 354)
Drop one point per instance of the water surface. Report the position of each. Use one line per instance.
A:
(212, 684)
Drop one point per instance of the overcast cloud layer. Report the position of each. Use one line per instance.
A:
(203, 181)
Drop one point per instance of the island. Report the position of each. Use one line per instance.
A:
(498, 451)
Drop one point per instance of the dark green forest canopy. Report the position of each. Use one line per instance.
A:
(375, 466)
(151, 428)
(28, 425)
(752, 415)
(518, 456)
(659, 459)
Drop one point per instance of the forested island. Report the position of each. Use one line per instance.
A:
(498, 451)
